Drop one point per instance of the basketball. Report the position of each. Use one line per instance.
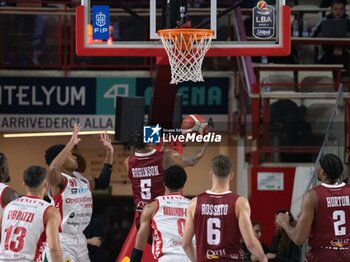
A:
(194, 124)
(261, 4)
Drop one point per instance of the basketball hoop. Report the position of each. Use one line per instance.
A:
(186, 48)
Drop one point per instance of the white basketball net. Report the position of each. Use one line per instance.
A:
(186, 52)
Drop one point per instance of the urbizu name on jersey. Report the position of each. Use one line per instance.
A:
(193, 137)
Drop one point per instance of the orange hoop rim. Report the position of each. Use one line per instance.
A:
(186, 33)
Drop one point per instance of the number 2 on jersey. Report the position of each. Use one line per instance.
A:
(213, 231)
(145, 185)
(339, 222)
(14, 245)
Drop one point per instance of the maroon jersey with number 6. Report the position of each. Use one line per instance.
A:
(146, 176)
(216, 227)
(331, 224)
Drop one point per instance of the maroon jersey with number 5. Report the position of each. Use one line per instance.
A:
(331, 225)
(216, 227)
(146, 176)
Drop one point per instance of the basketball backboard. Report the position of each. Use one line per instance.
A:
(133, 27)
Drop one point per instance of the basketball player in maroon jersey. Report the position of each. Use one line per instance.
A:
(324, 216)
(219, 219)
(146, 168)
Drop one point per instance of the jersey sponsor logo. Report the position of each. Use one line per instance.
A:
(340, 243)
(79, 200)
(175, 243)
(74, 224)
(75, 191)
(215, 254)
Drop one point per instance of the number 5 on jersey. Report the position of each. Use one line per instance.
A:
(145, 185)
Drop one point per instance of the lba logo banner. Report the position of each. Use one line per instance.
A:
(100, 22)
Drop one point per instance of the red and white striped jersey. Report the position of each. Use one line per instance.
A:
(23, 230)
(3, 188)
(74, 203)
(168, 224)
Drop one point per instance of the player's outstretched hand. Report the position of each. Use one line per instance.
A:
(74, 138)
(106, 141)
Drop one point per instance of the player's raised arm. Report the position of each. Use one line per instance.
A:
(172, 157)
(104, 179)
(56, 165)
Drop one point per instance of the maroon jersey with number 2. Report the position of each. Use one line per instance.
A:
(329, 238)
(146, 176)
(216, 227)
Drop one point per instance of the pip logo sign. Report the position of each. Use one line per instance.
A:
(151, 134)
(100, 22)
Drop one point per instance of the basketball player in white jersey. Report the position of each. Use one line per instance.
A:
(70, 192)
(7, 194)
(28, 222)
(166, 218)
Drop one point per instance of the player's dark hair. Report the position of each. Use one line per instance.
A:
(221, 166)
(33, 176)
(2, 159)
(344, 2)
(3, 173)
(332, 166)
(52, 152)
(136, 139)
(175, 177)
